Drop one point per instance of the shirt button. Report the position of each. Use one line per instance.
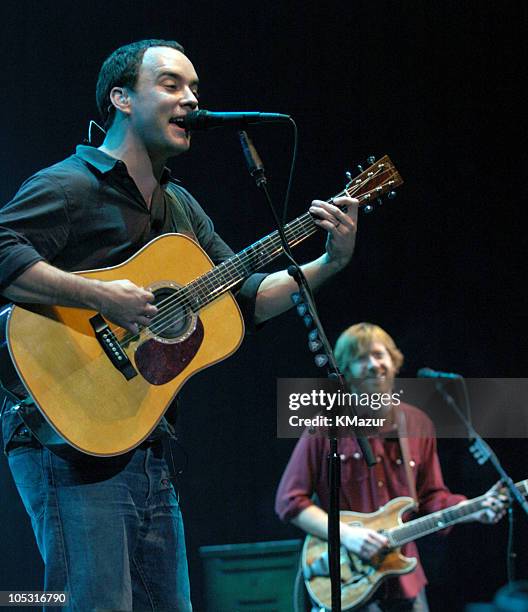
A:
(412, 463)
(378, 459)
(398, 461)
(342, 456)
(356, 455)
(380, 483)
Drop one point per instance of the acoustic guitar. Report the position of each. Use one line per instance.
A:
(104, 389)
(361, 578)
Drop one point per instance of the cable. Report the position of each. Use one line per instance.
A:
(292, 170)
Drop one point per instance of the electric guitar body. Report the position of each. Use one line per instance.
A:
(359, 579)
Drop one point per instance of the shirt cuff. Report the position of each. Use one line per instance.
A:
(246, 297)
(18, 260)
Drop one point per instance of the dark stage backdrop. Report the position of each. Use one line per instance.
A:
(442, 267)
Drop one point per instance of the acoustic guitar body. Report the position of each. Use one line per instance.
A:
(83, 395)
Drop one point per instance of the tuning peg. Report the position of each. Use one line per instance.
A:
(348, 175)
(321, 360)
(391, 195)
(379, 201)
(360, 167)
(371, 159)
(308, 321)
(368, 208)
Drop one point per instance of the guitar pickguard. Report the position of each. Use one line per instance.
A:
(159, 362)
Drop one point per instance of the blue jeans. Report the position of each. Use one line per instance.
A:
(113, 539)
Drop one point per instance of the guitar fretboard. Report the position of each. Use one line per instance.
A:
(374, 182)
(426, 525)
(228, 274)
(377, 180)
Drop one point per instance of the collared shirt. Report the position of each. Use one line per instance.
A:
(365, 489)
(86, 212)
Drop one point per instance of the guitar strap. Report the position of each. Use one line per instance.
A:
(406, 454)
(178, 212)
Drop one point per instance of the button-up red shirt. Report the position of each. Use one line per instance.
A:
(365, 489)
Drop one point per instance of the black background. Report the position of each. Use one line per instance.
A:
(437, 86)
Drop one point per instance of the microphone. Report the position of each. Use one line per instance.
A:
(206, 120)
(428, 373)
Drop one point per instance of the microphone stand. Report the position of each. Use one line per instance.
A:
(256, 169)
(482, 447)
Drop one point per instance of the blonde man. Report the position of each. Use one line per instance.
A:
(367, 354)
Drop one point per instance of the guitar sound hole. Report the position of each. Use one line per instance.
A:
(173, 320)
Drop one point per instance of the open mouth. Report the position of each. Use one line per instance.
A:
(176, 122)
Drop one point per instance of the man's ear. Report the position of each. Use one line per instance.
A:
(120, 99)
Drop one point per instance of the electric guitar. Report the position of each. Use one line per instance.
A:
(103, 389)
(360, 578)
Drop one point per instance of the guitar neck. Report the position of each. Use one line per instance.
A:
(231, 272)
(425, 525)
(378, 179)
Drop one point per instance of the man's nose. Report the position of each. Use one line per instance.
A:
(373, 364)
(190, 100)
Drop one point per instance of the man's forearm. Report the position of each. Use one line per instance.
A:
(45, 284)
(274, 293)
(312, 520)
(120, 301)
(360, 540)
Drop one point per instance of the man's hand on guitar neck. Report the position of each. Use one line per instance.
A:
(341, 227)
(274, 293)
(494, 506)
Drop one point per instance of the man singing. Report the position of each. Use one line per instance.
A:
(110, 532)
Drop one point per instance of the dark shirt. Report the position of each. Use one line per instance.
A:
(86, 212)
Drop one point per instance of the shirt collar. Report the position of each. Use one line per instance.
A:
(106, 163)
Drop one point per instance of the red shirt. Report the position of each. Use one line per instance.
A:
(365, 489)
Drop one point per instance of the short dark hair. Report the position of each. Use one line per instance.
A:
(121, 69)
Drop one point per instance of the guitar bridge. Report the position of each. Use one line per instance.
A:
(112, 348)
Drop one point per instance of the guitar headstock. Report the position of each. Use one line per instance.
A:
(380, 178)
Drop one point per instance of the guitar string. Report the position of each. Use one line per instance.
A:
(246, 259)
(199, 301)
(173, 302)
(411, 530)
(213, 275)
(210, 276)
(217, 273)
(294, 229)
(416, 526)
(297, 227)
